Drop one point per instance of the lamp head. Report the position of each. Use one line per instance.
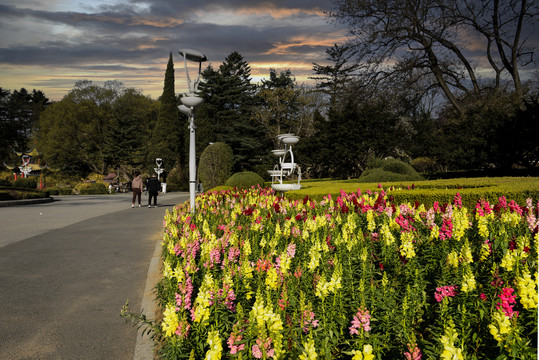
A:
(193, 55)
(185, 110)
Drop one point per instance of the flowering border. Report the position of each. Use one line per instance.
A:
(255, 275)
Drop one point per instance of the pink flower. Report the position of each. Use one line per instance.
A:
(232, 340)
(308, 321)
(360, 320)
(508, 301)
(446, 232)
(183, 329)
(257, 353)
(266, 346)
(291, 250)
(414, 352)
(457, 201)
(445, 291)
(483, 296)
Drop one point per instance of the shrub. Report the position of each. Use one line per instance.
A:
(244, 180)
(26, 183)
(215, 165)
(177, 179)
(384, 170)
(381, 175)
(5, 182)
(91, 188)
(425, 165)
(60, 191)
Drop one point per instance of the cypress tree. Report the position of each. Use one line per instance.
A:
(167, 135)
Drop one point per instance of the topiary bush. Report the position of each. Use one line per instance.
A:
(4, 182)
(384, 170)
(425, 165)
(245, 180)
(26, 183)
(380, 175)
(215, 165)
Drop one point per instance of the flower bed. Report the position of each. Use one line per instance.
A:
(258, 276)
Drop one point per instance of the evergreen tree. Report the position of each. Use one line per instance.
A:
(167, 135)
(335, 78)
(20, 112)
(226, 113)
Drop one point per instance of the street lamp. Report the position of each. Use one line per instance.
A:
(190, 101)
(25, 169)
(158, 169)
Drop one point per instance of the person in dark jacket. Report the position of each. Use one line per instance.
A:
(154, 185)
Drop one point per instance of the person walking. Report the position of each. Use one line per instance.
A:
(136, 185)
(154, 185)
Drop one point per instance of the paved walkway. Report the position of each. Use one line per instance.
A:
(66, 269)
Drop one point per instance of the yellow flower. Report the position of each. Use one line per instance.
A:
(387, 236)
(216, 347)
(367, 352)
(468, 281)
(482, 226)
(371, 225)
(272, 279)
(310, 350)
(453, 259)
(358, 355)
(485, 251)
(500, 327)
(466, 253)
(509, 260)
(527, 290)
(512, 218)
(460, 222)
(451, 352)
(407, 246)
(170, 320)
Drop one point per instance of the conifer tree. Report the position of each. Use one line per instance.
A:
(226, 113)
(167, 135)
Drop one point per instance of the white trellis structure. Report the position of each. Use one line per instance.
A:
(287, 168)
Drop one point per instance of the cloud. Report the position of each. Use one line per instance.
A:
(117, 38)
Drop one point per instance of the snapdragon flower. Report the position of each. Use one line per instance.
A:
(361, 320)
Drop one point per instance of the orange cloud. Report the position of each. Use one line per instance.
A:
(277, 13)
(319, 40)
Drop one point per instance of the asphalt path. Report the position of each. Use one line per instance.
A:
(67, 268)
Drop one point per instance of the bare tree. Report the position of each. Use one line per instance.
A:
(449, 42)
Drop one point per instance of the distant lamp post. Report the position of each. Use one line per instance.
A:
(25, 169)
(190, 101)
(158, 169)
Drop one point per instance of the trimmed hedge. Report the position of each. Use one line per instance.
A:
(427, 192)
(27, 183)
(11, 193)
(60, 191)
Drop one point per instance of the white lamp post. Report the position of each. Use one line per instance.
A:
(190, 101)
(158, 170)
(25, 169)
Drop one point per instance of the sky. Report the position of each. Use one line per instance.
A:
(48, 45)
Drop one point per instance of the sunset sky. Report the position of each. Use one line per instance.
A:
(48, 45)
